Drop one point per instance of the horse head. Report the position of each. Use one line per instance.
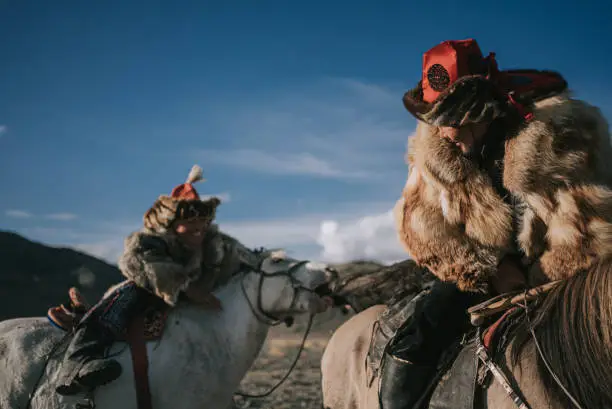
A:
(284, 287)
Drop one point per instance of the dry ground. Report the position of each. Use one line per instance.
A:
(302, 389)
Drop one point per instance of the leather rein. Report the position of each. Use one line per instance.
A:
(268, 319)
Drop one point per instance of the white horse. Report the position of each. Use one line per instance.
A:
(201, 358)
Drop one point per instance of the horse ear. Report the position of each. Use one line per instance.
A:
(275, 254)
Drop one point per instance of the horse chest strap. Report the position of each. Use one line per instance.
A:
(140, 363)
(492, 367)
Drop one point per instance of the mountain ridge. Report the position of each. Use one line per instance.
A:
(35, 276)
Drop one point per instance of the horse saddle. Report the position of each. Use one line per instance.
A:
(144, 327)
(458, 372)
(386, 327)
(69, 314)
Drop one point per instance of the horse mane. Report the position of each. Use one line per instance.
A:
(573, 326)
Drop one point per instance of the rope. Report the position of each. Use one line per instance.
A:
(541, 353)
(291, 368)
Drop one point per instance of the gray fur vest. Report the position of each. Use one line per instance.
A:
(163, 266)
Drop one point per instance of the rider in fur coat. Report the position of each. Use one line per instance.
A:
(501, 163)
(507, 187)
(170, 257)
(178, 254)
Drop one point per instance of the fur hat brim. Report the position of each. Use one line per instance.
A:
(166, 210)
(471, 99)
(475, 98)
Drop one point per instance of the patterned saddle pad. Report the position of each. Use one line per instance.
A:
(67, 316)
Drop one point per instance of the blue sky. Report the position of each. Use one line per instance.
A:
(292, 108)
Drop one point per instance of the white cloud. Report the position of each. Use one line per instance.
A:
(108, 249)
(299, 234)
(3, 129)
(281, 163)
(368, 92)
(372, 237)
(18, 214)
(284, 233)
(337, 237)
(355, 231)
(61, 216)
(22, 214)
(338, 128)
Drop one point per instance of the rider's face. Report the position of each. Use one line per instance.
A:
(191, 232)
(467, 137)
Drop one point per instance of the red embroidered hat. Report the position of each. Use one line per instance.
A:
(460, 86)
(186, 191)
(182, 204)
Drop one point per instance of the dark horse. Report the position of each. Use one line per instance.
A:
(571, 325)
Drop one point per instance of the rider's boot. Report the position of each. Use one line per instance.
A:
(411, 361)
(84, 366)
(403, 382)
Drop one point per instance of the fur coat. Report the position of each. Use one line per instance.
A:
(557, 209)
(162, 265)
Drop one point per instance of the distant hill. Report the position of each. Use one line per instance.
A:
(34, 276)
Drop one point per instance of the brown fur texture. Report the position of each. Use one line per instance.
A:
(161, 264)
(556, 166)
(451, 220)
(166, 210)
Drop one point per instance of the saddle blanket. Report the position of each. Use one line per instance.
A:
(68, 315)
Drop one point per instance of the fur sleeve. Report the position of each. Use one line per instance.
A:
(148, 262)
(460, 231)
(222, 257)
(557, 166)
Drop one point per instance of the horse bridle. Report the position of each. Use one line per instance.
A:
(269, 319)
(260, 313)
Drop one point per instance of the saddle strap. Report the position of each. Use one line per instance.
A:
(503, 302)
(492, 367)
(140, 363)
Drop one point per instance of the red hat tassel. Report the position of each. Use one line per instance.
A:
(186, 191)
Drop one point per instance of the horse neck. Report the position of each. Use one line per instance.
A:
(247, 332)
(231, 338)
(573, 326)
